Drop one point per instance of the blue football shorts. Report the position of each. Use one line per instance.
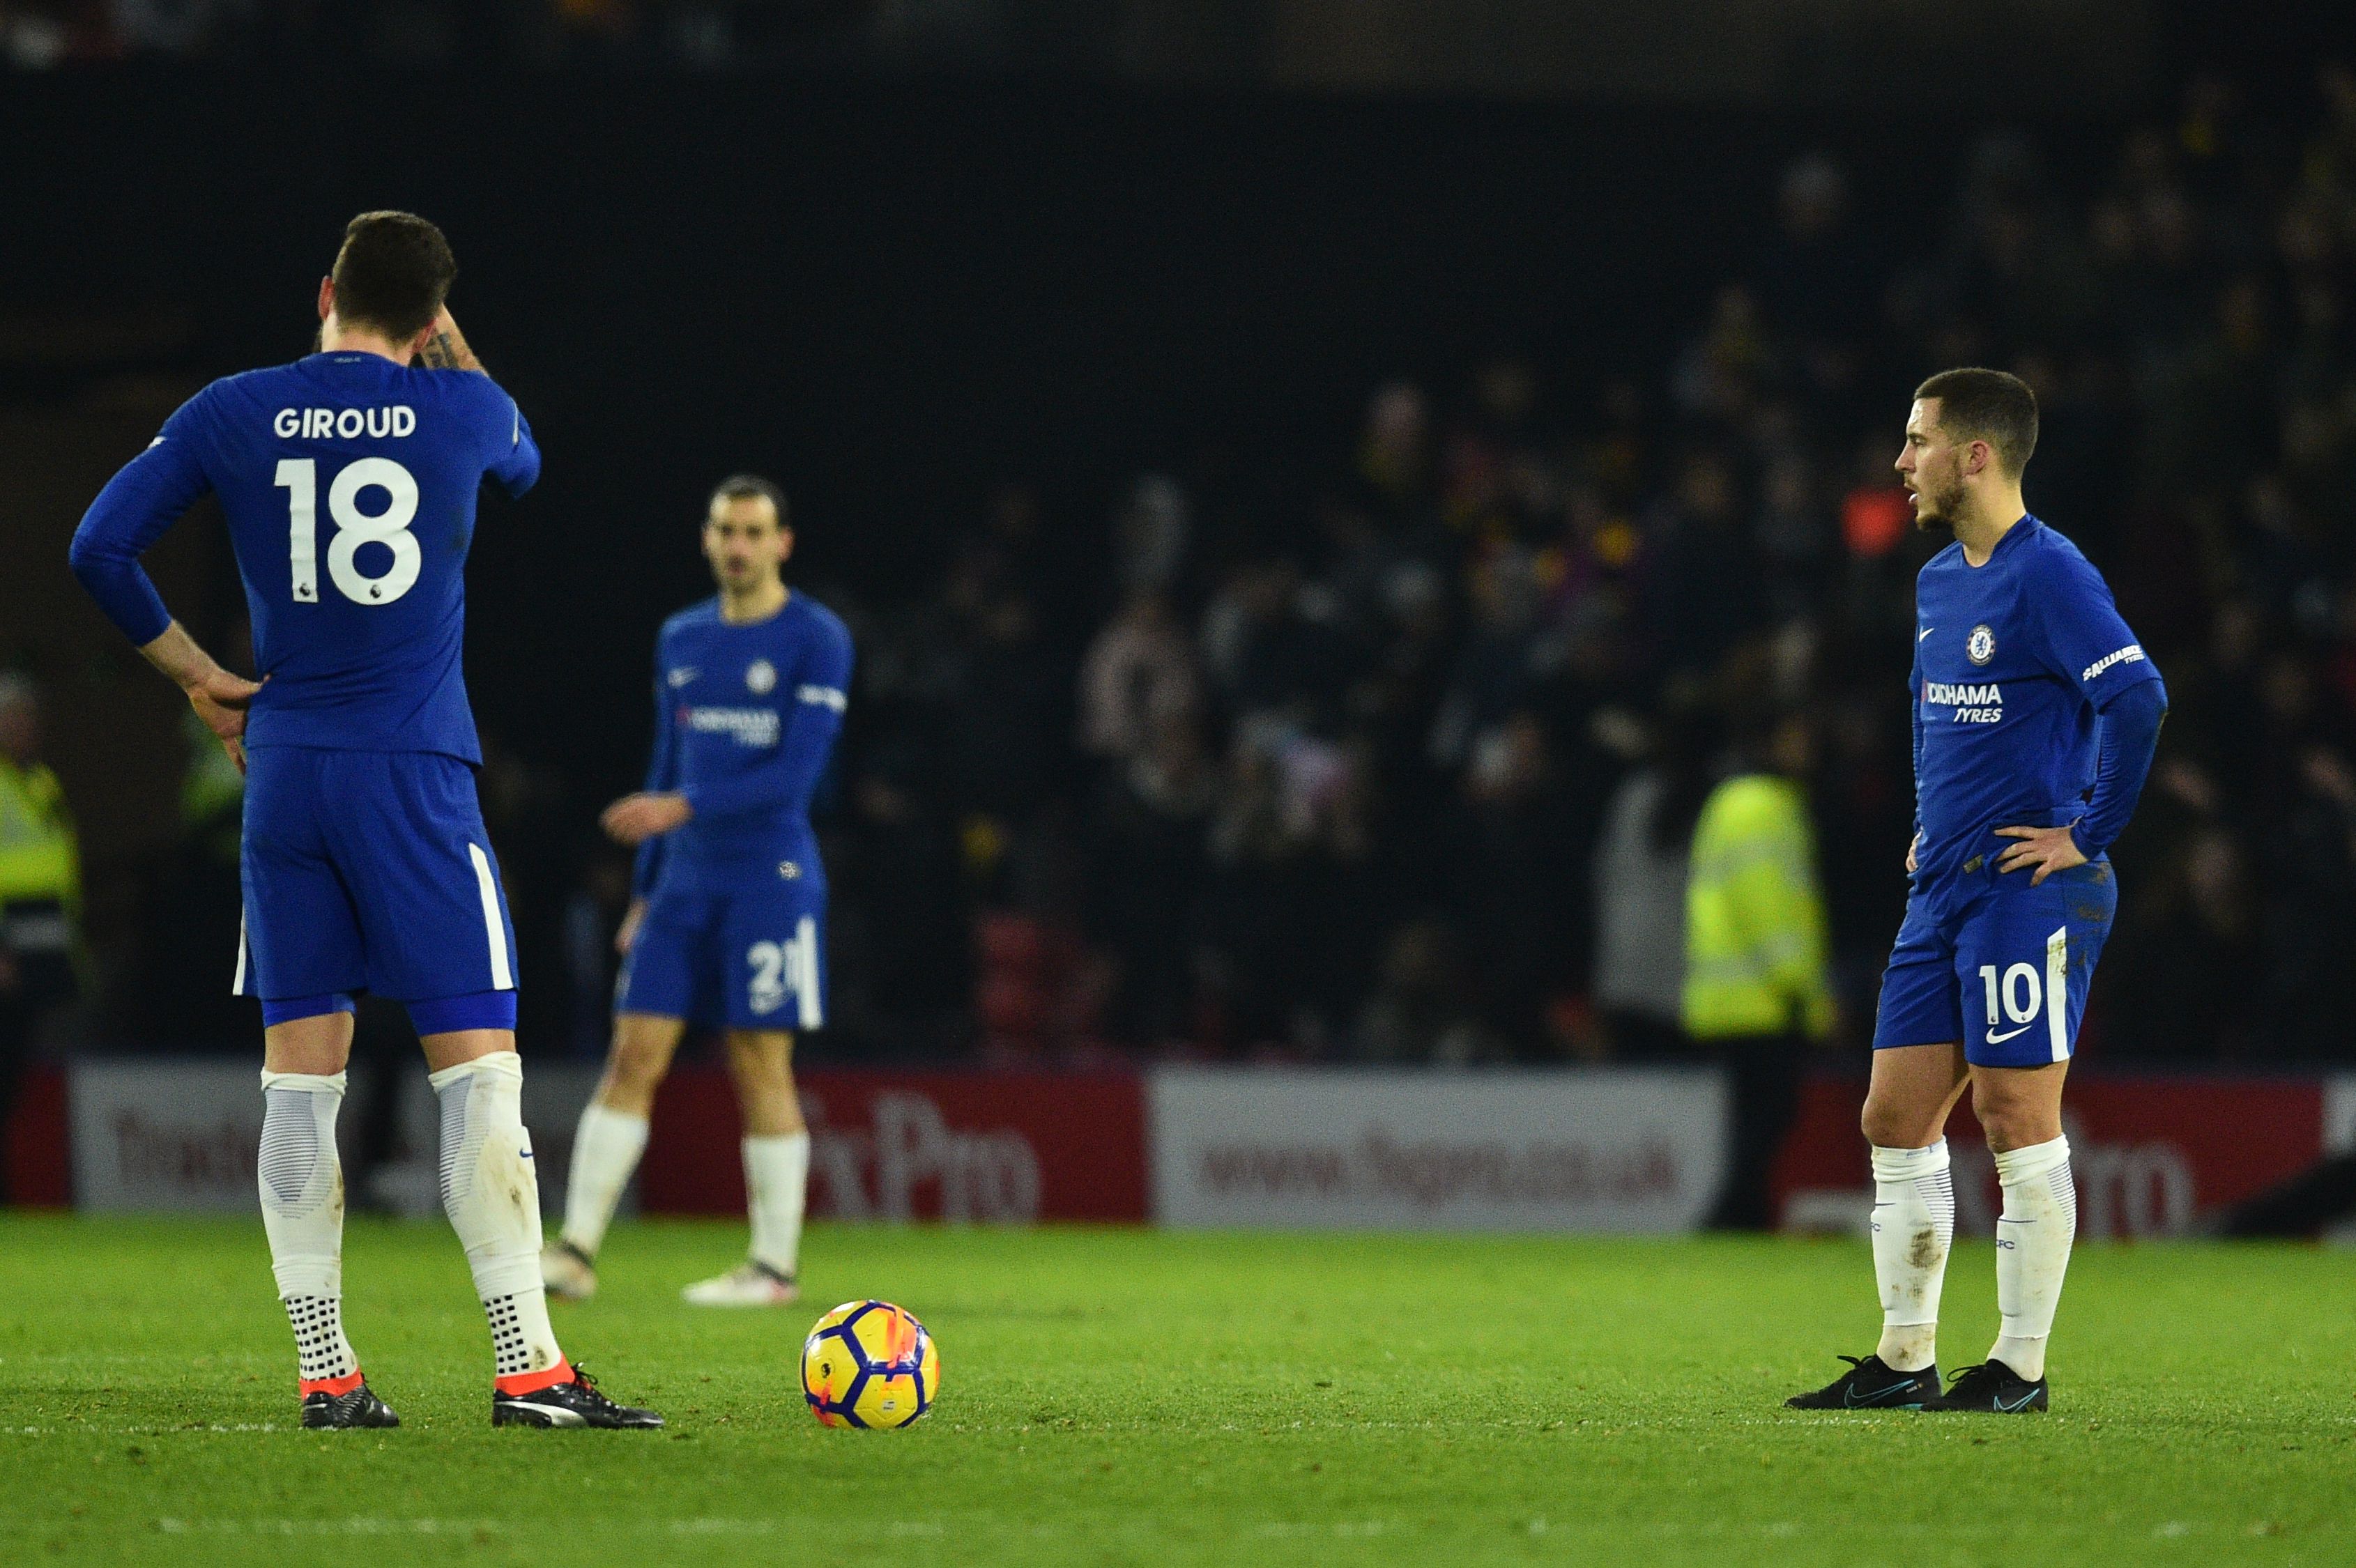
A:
(751, 959)
(368, 871)
(2000, 965)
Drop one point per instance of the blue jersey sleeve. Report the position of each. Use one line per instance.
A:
(2130, 737)
(662, 774)
(139, 504)
(821, 684)
(510, 453)
(2084, 640)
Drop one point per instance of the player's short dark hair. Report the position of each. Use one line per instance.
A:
(392, 273)
(1987, 405)
(747, 487)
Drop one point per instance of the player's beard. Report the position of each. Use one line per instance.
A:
(1937, 505)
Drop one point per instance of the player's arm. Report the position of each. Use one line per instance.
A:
(786, 779)
(447, 350)
(138, 506)
(2088, 644)
(510, 455)
(662, 780)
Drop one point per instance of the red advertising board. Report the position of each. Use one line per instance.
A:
(2151, 1155)
(1006, 1147)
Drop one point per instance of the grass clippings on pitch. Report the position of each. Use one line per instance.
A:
(1128, 1397)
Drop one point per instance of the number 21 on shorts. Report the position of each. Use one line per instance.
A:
(299, 477)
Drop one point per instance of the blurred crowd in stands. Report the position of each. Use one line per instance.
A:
(1409, 772)
(693, 34)
(1404, 778)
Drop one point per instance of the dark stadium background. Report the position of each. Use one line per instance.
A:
(958, 297)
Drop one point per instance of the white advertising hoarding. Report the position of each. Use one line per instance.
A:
(1621, 1149)
(160, 1134)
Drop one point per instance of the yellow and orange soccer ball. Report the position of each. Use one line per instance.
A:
(868, 1364)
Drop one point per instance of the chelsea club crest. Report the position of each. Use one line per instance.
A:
(1980, 646)
(761, 676)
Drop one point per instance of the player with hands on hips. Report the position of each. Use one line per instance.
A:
(364, 860)
(726, 926)
(2036, 716)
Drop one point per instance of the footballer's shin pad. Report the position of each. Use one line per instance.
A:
(491, 1193)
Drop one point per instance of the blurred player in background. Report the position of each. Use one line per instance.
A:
(2036, 715)
(726, 927)
(349, 481)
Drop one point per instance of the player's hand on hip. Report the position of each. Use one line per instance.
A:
(221, 699)
(1914, 844)
(2049, 850)
(625, 938)
(635, 819)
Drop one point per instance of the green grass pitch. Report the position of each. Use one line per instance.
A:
(1119, 1397)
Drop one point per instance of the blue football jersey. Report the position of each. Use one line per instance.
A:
(2013, 661)
(745, 719)
(348, 483)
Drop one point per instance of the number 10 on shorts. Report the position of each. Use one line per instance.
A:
(2021, 990)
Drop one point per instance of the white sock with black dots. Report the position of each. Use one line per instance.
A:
(2032, 1239)
(302, 1184)
(776, 1177)
(1913, 1227)
(492, 1197)
(605, 1151)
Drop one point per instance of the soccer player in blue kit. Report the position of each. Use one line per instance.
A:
(2035, 714)
(348, 480)
(727, 925)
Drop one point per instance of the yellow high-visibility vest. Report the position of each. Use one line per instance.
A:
(40, 856)
(1755, 946)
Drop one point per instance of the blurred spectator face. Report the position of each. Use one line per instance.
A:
(20, 719)
(744, 542)
(1791, 749)
(1813, 197)
(1706, 489)
(1508, 761)
(1397, 421)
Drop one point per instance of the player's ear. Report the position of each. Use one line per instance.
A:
(785, 545)
(327, 297)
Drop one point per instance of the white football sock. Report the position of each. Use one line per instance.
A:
(2032, 1239)
(1913, 1225)
(605, 1151)
(492, 1197)
(301, 1183)
(777, 1174)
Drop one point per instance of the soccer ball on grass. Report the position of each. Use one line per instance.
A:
(871, 1365)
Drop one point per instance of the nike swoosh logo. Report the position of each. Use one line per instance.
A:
(1925, 632)
(1853, 1402)
(681, 676)
(2017, 1404)
(2000, 1038)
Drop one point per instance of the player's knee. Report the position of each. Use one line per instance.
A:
(1882, 1124)
(639, 1063)
(761, 1056)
